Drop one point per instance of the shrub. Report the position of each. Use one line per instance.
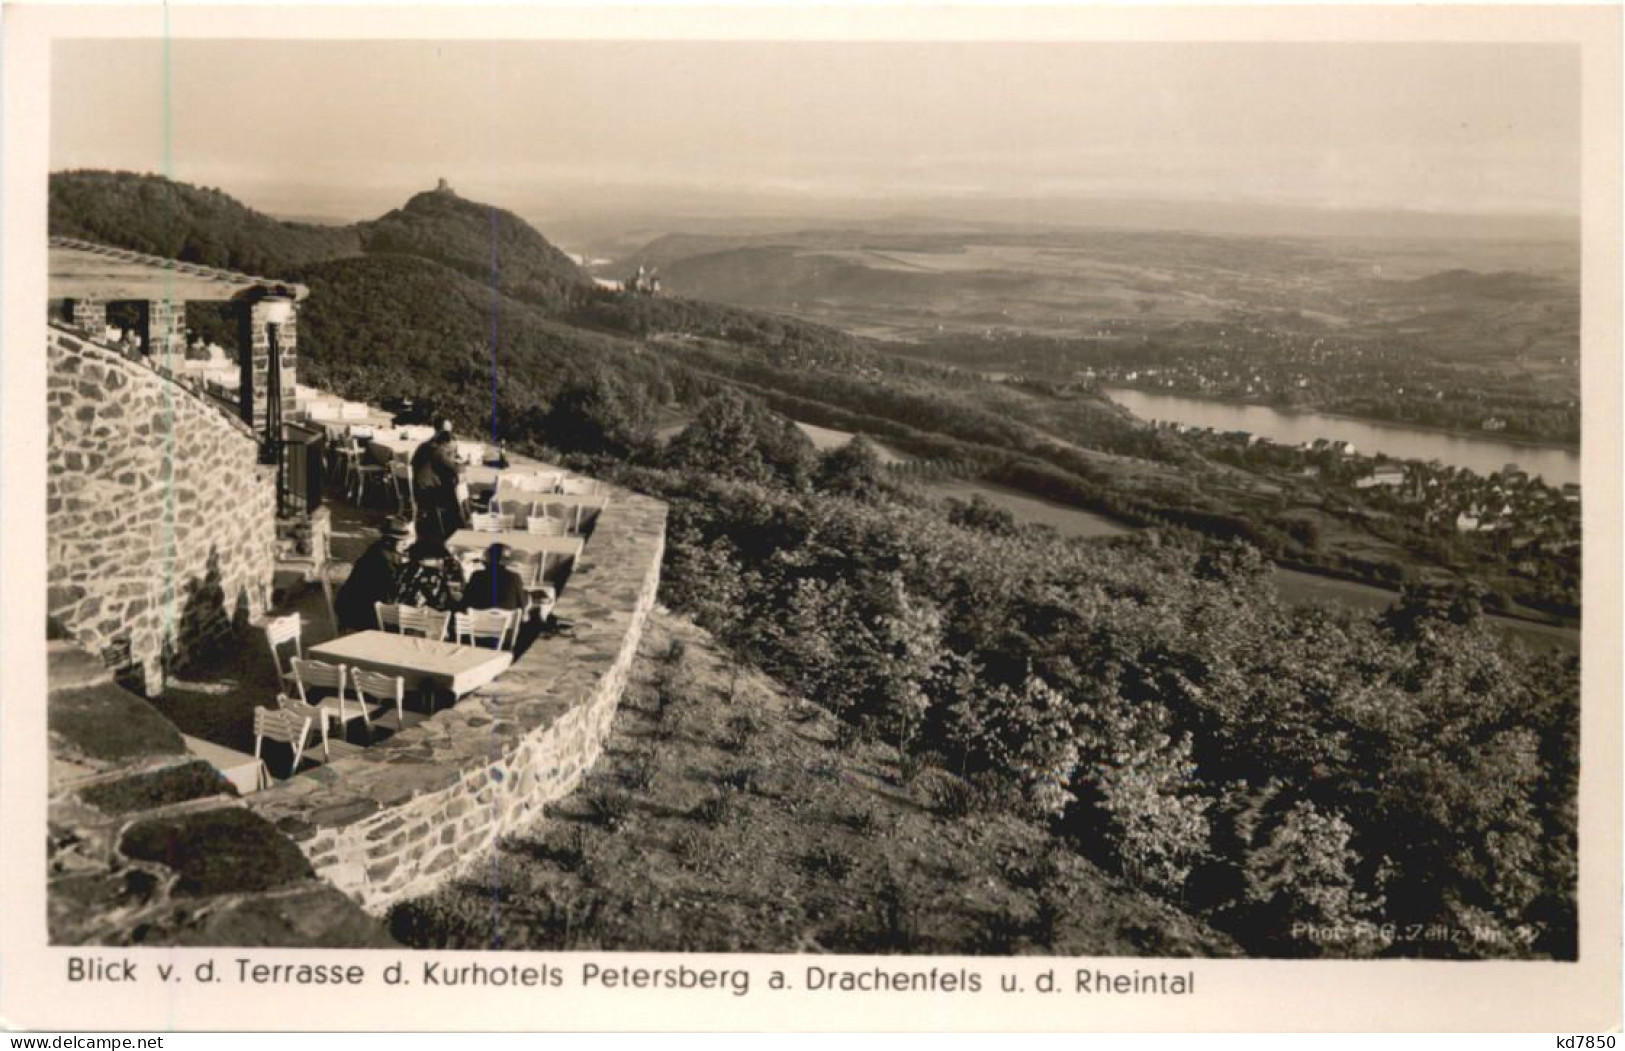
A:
(945, 794)
(861, 820)
(828, 863)
(608, 806)
(738, 732)
(638, 771)
(715, 809)
(741, 779)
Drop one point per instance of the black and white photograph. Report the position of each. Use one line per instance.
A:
(851, 502)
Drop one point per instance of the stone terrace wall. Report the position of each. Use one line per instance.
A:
(402, 816)
(161, 523)
(148, 846)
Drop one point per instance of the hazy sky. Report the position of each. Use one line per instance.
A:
(346, 129)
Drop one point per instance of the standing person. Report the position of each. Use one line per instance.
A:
(495, 586)
(374, 578)
(433, 577)
(436, 475)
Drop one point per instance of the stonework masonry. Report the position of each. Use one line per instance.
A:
(160, 521)
(254, 336)
(404, 815)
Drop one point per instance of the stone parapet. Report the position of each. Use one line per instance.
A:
(402, 816)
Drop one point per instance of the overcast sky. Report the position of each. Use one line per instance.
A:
(346, 130)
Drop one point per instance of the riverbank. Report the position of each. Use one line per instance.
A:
(1477, 452)
(1374, 421)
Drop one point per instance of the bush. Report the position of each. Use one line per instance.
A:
(827, 862)
(715, 810)
(608, 806)
(946, 795)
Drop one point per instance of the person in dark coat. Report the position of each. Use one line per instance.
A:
(374, 578)
(433, 577)
(495, 586)
(435, 475)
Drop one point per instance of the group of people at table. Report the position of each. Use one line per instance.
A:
(410, 564)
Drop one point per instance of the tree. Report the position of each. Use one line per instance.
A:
(598, 415)
(733, 437)
(852, 470)
(1136, 791)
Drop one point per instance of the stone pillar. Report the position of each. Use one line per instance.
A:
(254, 350)
(288, 339)
(88, 316)
(166, 332)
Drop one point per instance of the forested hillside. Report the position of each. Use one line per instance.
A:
(148, 213)
(1308, 781)
(482, 242)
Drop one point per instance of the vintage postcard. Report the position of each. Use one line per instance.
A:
(921, 517)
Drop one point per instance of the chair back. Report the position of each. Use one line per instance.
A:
(376, 686)
(513, 508)
(279, 632)
(279, 724)
(480, 625)
(545, 525)
(389, 616)
(310, 713)
(318, 675)
(429, 623)
(491, 523)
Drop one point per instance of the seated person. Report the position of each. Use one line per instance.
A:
(374, 578)
(432, 577)
(495, 586)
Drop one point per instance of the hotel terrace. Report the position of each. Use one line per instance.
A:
(227, 766)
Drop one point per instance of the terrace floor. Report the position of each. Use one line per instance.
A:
(214, 698)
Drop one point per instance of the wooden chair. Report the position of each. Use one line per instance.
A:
(345, 458)
(495, 625)
(516, 509)
(300, 710)
(279, 725)
(429, 623)
(539, 594)
(369, 471)
(569, 514)
(279, 632)
(406, 494)
(319, 675)
(381, 688)
(491, 523)
(546, 525)
(389, 615)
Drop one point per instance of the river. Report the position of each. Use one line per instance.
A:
(1483, 456)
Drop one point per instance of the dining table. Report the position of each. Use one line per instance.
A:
(337, 425)
(579, 510)
(391, 445)
(446, 667)
(561, 552)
